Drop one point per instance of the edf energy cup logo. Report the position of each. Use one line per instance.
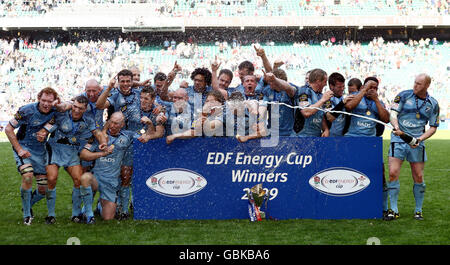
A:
(339, 181)
(176, 182)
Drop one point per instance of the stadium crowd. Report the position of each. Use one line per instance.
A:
(220, 8)
(27, 66)
(15, 8)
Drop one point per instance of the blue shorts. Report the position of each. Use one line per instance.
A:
(405, 151)
(38, 158)
(63, 155)
(108, 188)
(87, 164)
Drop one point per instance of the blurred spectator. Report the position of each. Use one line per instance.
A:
(227, 8)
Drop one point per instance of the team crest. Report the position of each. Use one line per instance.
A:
(303, 97)
(397, 99)
(327, 104)
(18, 116)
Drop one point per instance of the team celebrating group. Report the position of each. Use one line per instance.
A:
(97, 152)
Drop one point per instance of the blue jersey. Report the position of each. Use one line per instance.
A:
(240, 123)
(196, 99)
(127, 104)
(93, 113)
(236, 124)
(70, 131)
(214, 117)
(158, 100)
(285, 114)
(414, 113)
(109, 166)
(179, 121)
(337, 127)
(134, 120)
(306, 97)
(361, 126)
(30, 120)
(240, 88)
(163, 103)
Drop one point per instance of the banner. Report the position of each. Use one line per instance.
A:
(306, 178)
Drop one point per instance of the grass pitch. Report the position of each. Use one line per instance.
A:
(434, 230)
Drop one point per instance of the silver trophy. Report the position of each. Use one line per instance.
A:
(257, 198)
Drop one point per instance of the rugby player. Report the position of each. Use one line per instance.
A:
(366, 103)
(92, 91)
(246, 68)
(223, 81)
(162, 84)
(278, 90)
(180, 116)
(354, 85)
(199, 91)
(63, 149)
(413, 109)
(311, 96)
(126, 100)
(336, 83)
(210, 122)
(256, 110)
(29, 145)
(107, 168)
(146, 126)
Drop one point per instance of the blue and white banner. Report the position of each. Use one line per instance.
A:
(208, 178)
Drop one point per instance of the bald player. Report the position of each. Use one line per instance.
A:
(412, 110)
(180, 115)
(106, 170)
(92, 91)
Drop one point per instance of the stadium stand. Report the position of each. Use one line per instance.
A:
(66, 67)
(226, 8)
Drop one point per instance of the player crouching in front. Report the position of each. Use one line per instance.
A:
(106, 170)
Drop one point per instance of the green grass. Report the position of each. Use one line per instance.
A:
(435, 229)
